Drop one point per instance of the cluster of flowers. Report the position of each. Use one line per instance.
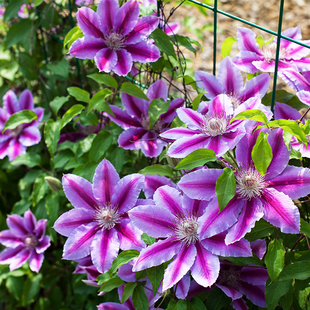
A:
(184, 218)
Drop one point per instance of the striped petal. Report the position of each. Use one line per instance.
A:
(106, 59)
(30, 136)
(26, 100)
(143, 52)
(210, 83)
(10, 102)
(124, 62)
(106, 12)
(87, 21)
(87, 47)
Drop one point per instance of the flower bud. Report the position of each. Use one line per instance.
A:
(53, 183)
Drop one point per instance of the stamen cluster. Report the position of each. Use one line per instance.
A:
(186, 230)
(107, 216)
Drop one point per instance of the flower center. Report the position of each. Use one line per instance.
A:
(16, 131)
(107, 216)
(249, 183)
(115, 41)
(186, 230)
(215, 126)
(270, 52)
(235, 102)
(145, 121)
(229, 277)
(31, 242)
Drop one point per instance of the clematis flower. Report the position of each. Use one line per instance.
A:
(25, 240)
(83, 2)
(268, 197)
(14, 142)
(212, 130)
(115, 36)
(230, 82)
(98, 225)
(180, 222)
(135, 120)
(252, 58)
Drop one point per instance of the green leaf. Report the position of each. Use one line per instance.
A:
(123, 258)
(38, 2)
(262, 229)
(61, 68)
(252, 115)
(181, 305)
(100, 144)
(15, 286)
(299, 271)
(155, 275)
(17, 32)
(73, 111)
(147, 239)
(39, 189)
(29, 159)
(274, 291)
(186, 42)
(163, 42)
(74, 34)
(196, 159)
(133, 90)
(290, 126)
(172, 305)
(12, 8)
(98, 100)
(105, 79)
(62, 157)
(139, 299)
(262, 153)
(227, 45)
(217, 299)
(158, 65)
(287, 299)
(111, 284)
(197, 304)
(79, 94)
(304, 228)
(158, 169)
(196, 101)
(225, 187)
(52, 135)
(88, 119)
(18, 118)
(274, 258)
(128, 290)
(156, 108)
(57, 103)
(31, 289)
(241, 261)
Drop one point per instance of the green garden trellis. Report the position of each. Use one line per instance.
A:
(278, 34)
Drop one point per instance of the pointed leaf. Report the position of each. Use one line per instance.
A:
(251, 115)
(274, 291)
(262, 153)
(274, 258)
(139, 299)
(17, 32)
(155, 275)
(74, 34)
(196, 159)
(197, 304)
(29, 159)
(57, 103)
(299, 271)
(100, 144)
(79, 94)
(73, 111)
(163, 42)
(52, 135)
(128, 290)
(158, 169)
(156, 108)
(111, 284)
(98, 102)
(262, 229)
(123, 258)
(133, 90)
(225, 188)
(12, 8)
(105, 79)
(227, 45)
(181, 305)
(18, 118)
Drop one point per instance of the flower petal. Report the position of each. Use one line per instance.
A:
(179, 266)
(156, 221)
(106, 12)
(294, 80)
(9, 239)
(123, 119)
(183, 287)
(26, 100)
(303, 96)
(129, 236)
(280, 211)
(230, 292)
(106, 59)
(79, 192)
(15, 149)
(254, 275)
(135, 106)
(127, 191)
(131, 138)
(35, 261)
(206, 267)
(104, 248)
(151, 145)
(285, 111)
(178, 133)
(247, 40)
(104, 181)
(19, 259)
(152, 182)
(158, 90)
(200, 184)
(169, 198)
(30, 221)
(87, 47)
(10, 102)
(124, 62)
(43, 244)
(216, 245)
(16, 224)
(72, 219)
(126, 17)
(78, 244)
(143, 52)
(87, 21)
(157, 253)
(111, 306)
(210, 83)
(8, 254)
(293, 181)
(30, 136)
(244, 61)
(193, 119)
(252, 211)
(255, 293)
